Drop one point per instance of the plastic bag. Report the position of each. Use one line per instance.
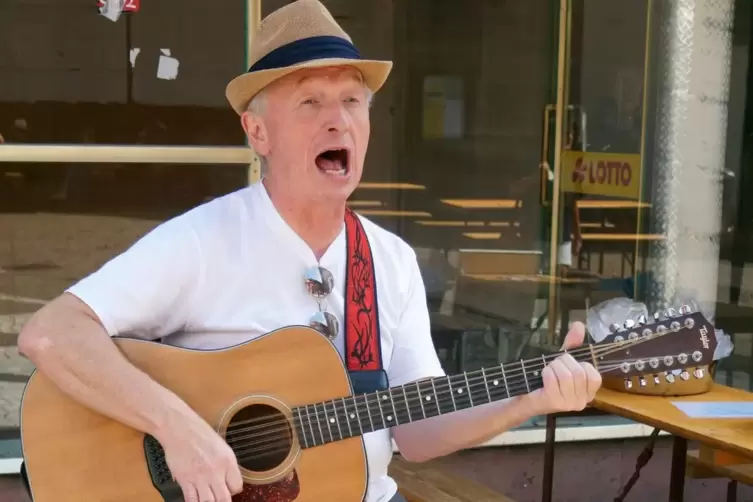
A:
(618, 310)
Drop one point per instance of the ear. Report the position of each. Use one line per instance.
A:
(256, 132)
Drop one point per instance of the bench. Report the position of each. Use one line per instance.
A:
(428, 482)
(709, 463)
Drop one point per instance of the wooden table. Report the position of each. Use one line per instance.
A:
(731, 435)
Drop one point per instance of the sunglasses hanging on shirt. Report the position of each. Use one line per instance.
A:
(320, 283)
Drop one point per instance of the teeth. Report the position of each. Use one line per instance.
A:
(339, 172)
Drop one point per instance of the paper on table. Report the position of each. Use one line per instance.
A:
(716, 409)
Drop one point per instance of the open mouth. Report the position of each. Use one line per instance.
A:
(333, 162)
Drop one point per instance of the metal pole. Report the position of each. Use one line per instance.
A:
(253, 19)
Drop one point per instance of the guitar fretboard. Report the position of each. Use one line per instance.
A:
(339, 419)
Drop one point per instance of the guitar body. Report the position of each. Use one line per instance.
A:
(73, 454)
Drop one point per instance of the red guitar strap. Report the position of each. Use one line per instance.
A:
(363, 348)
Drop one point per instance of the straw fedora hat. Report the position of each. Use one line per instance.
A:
(302, 34)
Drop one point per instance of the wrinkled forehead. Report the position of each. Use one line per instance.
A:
(335, 75)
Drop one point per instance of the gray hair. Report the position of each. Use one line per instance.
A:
(258, 105)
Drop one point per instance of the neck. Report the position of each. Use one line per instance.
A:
(339, 419)
(317, 222)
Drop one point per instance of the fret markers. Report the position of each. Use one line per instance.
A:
(352, 416)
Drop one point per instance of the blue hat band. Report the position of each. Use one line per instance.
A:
(307, 49)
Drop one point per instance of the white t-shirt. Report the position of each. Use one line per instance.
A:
(232, 269)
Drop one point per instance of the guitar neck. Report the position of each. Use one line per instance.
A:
(339, 419)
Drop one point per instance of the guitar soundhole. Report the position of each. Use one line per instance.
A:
(260, 436)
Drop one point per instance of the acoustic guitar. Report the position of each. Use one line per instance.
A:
(284, 403)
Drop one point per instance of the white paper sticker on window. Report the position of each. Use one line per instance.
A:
(133, 55)
(112, 9)
(167, 68)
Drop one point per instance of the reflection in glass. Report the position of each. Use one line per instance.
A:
(734, 308)
(59, 223)
(457, 144)
(70, 75)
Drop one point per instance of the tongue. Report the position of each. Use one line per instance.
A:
(326, 164)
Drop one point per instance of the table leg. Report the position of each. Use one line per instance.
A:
(677, 476)
(551, 427)
(732, 491)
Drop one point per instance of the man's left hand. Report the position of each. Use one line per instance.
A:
(568, 384)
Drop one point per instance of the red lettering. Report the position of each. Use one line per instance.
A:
(626, 174)
(601, 172)
(579, 173)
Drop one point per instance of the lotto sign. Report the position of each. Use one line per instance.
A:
(597, 173)
(128, 5)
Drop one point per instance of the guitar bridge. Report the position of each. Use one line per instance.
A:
(162, 479)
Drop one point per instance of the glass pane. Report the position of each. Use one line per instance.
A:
(61, 222)
(654, 170)
(600, 205)
(453, 160)
(734, 309)
(71, 75)
(467, 98)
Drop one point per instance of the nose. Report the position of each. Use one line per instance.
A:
(336, 117)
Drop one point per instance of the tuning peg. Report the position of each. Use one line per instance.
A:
(670, 313)
(628, 384)
(657, 317)
(685, 310)
(642, 320)
(685, 375)
(642, 381)
(698, 373)
(629, 324)
(670, 377)
(614, 327)
(656, 380)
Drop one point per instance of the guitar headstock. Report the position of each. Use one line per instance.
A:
(669, 341)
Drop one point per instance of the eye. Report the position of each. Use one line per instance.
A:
(309, 101)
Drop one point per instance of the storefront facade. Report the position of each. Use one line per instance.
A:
(540, 156)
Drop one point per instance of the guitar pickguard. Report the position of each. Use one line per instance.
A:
(285, 490)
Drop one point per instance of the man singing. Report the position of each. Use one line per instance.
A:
(233, 269)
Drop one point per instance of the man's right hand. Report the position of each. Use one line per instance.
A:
(201, 462)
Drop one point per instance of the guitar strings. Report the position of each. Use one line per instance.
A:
(408, 411)
(515, 369)
(518, 385)
(283, 433)
(281, 443)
